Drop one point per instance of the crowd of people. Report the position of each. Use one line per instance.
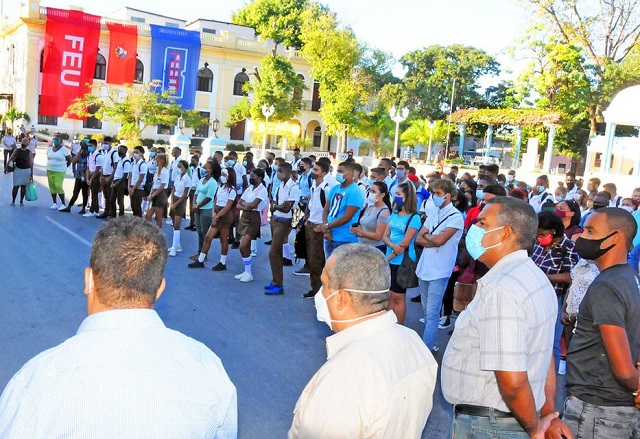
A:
(535, 281)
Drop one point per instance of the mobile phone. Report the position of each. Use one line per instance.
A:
(355, 225)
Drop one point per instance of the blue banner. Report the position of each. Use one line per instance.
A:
(175, 54)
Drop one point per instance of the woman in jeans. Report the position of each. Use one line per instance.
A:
(399, 236)
(158, 195)
(373, 223)
(222, 220)
(203, 210)
(80, 173)
(23, 171)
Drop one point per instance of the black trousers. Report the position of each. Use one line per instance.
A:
(80, 185)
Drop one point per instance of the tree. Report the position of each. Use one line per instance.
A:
(428, 82)
(604, 33)
(134, 108)
(278, 20)
(276, 83)
(419, 133)
(374, 126)
(14, 114)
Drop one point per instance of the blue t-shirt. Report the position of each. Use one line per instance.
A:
(397, 226)
(305, 186)
(341, 198)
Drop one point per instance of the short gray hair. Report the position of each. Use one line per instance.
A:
(361, 267)
(520, 217)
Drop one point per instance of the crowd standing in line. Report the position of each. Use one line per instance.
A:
(542, 275)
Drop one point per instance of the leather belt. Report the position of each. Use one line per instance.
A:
(484, 412)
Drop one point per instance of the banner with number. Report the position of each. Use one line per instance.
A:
(123, 48)
(175, 54)
(69, 59)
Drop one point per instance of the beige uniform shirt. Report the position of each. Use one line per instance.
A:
(378, 382)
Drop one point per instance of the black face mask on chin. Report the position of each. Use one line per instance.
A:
(590, 248)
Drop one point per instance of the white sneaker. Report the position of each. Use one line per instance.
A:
(96, 213)
(172, 251)
(246, 277)
(63, 207)
(169, 221)
(254, 254)
(54, 206)
(239, 276)
(88, 215)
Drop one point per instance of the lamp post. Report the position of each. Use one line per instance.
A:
(432, 125)
(397, 115)
(215, 126)
(181, 123)
(268, 112)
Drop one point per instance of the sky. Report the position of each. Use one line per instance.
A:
(395, 26)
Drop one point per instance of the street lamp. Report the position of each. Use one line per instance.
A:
(181, 123)
(268, 112)
(432, 125)
(397, 115)
(215, 126)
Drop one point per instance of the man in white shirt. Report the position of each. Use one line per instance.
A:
(109, 162)
(497, 370)
(539, 196)
(137, 179)
(440, 235)
(9, 144)
(379, 377)
(387, 164)
(94, 166)
(613, 191)
(315, 240)
(295, 163)
(197, 172)
(283, 204)
(120, 184)
(124, 374)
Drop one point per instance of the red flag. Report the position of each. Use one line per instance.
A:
(70, 52)
(123, 49)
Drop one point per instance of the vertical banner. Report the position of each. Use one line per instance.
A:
(123, 49)
(175, 54)
(69, 59)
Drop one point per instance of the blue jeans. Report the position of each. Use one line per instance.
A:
(590, 421)
(479, 427)
(558, 330)
(432, 292)
(330, 246)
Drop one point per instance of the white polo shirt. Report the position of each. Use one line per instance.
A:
(123, 167)
(182, 183)
(111, 159)
(138, 168)
(225, 194)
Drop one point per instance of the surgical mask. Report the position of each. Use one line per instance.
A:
(438, 201)
(340, 178)
(152, 154)
(590, 248)
(560, 198)
(105, 146)
(510, 178)
(244, 163)
(230, 163)
(474, 241)
(545, 240)
(400, 174)
(541, 188)
(322, 309)
(275, 168)
(399, 201)
(136, 155)
(627, 208)
(92, 148)
(373, 198)
(223, 179)
(480, 194)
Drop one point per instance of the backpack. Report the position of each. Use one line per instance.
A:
(148, 183)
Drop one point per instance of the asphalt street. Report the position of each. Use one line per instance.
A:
(270, 346)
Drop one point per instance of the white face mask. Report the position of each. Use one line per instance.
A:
(373, 198)
(627, 208)
(322, 309)
(223, 179)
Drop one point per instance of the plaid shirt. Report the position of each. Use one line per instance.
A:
(81, 167)
(560, 259)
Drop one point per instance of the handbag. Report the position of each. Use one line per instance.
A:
(11, 166)
(300, 242)
(407, 277)
(32, 192)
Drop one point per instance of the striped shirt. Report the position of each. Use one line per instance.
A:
(508, 326)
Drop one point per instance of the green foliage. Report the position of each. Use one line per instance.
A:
(428, 82)
(279, 20)
(419, 132)
(134, 108)
(508, 116)
(14, 114)
(374, 126)
(275, 84)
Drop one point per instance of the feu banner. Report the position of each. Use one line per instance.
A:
(69, 59)
(123, 48)
(175, 54)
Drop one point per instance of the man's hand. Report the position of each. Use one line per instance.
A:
(557, 430)
(543, 425)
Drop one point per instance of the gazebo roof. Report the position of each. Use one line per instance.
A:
(624, 108)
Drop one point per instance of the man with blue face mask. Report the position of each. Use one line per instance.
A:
(379, 378)
(504, 339)
(539, 195)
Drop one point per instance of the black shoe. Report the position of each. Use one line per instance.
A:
(82, 212)
(287, 262)
(102, 216)
(235, 245)
(196, 264)
(79, 205)
(219, 267)
(309, 295)
(417, 299)
(190, 227)
(66, 209)
(267, 242)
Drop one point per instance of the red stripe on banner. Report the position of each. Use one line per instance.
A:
(70, 52)
(123, 48)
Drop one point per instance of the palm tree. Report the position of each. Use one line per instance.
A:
(13, 114)
(374, 127)
(419, 133)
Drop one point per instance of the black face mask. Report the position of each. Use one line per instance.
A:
(252, 181)
(590, 248)
(599, 206)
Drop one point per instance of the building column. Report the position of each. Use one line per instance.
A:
(487, 148)
(548, 154)
(516, 163)
(609, 136)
